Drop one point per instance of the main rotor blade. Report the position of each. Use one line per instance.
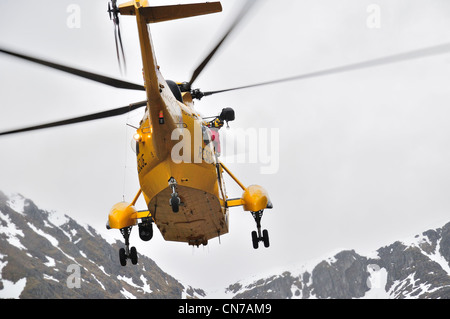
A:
(84, 74)
(81, 119)
(431, 51)
(244, 10)
(119, 38)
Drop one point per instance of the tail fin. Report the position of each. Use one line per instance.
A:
(172, 12)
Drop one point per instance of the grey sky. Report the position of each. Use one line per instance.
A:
(364, 156)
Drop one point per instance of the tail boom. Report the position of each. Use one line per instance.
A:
(172, 12)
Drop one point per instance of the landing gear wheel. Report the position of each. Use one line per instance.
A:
(175, 202)
(257, 236)
(127, 253)
(255, 239)
(133, 256)
(122, 257)
(265, 238)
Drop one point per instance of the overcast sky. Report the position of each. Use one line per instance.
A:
(364, 157)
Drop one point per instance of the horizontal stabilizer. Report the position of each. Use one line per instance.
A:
(173, 12)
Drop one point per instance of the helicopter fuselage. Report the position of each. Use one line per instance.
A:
(179, 172)
(171, 145)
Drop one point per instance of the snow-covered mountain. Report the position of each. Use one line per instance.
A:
(49, 255)
(416, 268)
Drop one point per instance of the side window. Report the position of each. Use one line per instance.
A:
(215, 138)
(206, 135)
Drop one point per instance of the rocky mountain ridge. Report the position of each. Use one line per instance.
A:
(49, 255)
(418, 268)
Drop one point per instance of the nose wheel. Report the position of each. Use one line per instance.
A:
(174, 200)
(258, 236)
(127, 253)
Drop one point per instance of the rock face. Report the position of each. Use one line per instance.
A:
(345, 278)
(418, 268)
(46, 255)
(49, 255)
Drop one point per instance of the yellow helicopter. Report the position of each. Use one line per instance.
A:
(180, 175)
(178, 151)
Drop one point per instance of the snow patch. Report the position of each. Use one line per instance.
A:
(11, 232)
(296, 292)
(103, 287)
(146, 286)
(438, 258)
(399, 286)
(376, 282)
(88, 229)
(127, 294)
(57, 219)
(17, 203)
(435, 256)
(128, 281)
(48, 277)
(51, 262)
(50, 238)
(12, 290)
(103, 269)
